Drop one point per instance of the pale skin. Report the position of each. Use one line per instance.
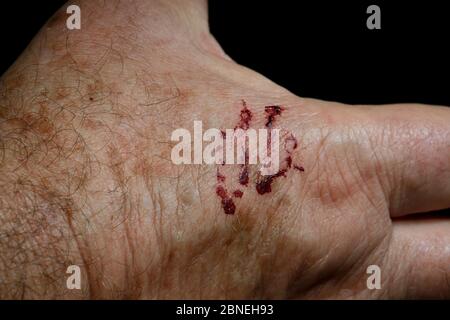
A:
(86, 176)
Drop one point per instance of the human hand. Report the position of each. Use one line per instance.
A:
(87, 176)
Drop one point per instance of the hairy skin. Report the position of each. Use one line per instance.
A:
(86, 176)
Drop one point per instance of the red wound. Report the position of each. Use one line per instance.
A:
(238, 193)
(289, 161)
(265, 184)
(271, 113)
(290, 144)
(245, 117)
(227, 203)
(228, 206)
(220, 177)
(243, 175)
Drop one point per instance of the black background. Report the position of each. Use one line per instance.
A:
(323, 49)
(319, 49)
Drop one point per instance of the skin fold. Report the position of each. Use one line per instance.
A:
(86, 176)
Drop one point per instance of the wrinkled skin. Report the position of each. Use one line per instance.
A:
(86, 176)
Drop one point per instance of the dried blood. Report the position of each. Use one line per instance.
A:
(238, 193)
(220, 177)
(227, 203)
(245, 117)
(289, 161)
(265, 184)
(271, 113)
(243, 175)
(228, 206)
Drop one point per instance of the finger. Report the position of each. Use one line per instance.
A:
(418, 261)
(412, 144)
